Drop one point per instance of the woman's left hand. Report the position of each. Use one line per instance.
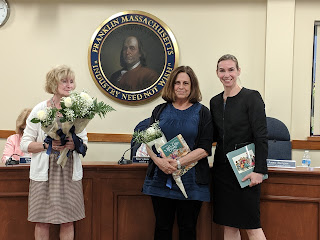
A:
(255, 178)
(70, 144)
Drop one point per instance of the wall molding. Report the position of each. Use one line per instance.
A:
(92, 137)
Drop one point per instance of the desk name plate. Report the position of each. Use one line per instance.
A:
(281, 163)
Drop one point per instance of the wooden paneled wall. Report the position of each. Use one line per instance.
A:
(312, 143)
(116, 209)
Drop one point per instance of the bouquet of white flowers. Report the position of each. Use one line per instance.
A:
(151, 136)
(47, 118)
(154, 136)
(76, 111)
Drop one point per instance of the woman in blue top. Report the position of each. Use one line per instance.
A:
(181, 114)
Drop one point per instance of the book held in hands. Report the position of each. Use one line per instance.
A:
(177, 148)
(242, 161)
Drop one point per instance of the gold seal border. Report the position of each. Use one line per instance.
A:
(108, 20)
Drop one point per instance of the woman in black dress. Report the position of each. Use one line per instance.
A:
(239, 118)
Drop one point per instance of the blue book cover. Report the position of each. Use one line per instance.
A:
(242, 162)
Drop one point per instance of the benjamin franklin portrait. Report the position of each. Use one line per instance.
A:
(132, 57)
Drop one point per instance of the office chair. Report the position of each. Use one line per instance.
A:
(279, 144)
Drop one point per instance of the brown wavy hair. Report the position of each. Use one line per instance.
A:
(168, 93)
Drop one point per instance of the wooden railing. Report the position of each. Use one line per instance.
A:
(92, 137)
(312, 143)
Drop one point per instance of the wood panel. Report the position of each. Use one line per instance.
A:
(313, 143)
(296, 217)
(117, 210)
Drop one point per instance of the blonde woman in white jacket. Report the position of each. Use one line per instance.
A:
(55, 193)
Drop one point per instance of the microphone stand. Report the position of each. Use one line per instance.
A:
(124, 161)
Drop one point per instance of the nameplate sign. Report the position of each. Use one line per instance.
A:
(281, 163)
(140, 159)
(25, 160)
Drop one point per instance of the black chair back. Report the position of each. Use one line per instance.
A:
(279, 144)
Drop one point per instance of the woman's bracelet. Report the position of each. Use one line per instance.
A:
(178, 164)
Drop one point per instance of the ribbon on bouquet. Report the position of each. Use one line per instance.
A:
(48, 140)
(78, 142)
(63, 137)
(169, 182)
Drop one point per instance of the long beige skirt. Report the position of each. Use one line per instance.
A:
(58, 200)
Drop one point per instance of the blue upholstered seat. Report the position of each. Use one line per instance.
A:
(279, 143)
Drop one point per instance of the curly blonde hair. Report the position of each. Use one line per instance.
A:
(22, 119)
(55, 75)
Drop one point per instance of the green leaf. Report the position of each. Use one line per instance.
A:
(35, 120)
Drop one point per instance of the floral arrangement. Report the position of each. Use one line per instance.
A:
(76, 112)
(154, 136)
(148, 135)
(81, 105)
(151, 136)
(45, 116)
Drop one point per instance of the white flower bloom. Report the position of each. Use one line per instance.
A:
(151, 131)
(86, 97)
(68, 102)
(42, 115)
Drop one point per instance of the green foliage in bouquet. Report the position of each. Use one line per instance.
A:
(148, 135)
(45, 116)
(81, 105)
(100, 108)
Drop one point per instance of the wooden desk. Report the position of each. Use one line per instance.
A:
(117, 210)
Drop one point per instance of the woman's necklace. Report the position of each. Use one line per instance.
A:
(52, 103)
(54, 106)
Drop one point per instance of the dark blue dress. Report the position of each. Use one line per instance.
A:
(173, 122)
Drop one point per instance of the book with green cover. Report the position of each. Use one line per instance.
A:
(242, 162)
(177, 148)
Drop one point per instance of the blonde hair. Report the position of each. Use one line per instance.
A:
(21, 120)
(228, 57)
(55, 75)
(168, 93)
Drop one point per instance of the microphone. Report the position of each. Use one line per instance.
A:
(124, 161)
(11, 161)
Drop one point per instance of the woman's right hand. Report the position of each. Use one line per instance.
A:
(166, 164)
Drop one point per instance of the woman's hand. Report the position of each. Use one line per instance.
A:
(166, 165)
(56, 145)
(70, 144)
(255, 178)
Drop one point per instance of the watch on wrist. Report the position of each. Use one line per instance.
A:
(178, 164)
(44, 146)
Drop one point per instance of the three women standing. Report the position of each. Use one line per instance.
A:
(239, 118)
